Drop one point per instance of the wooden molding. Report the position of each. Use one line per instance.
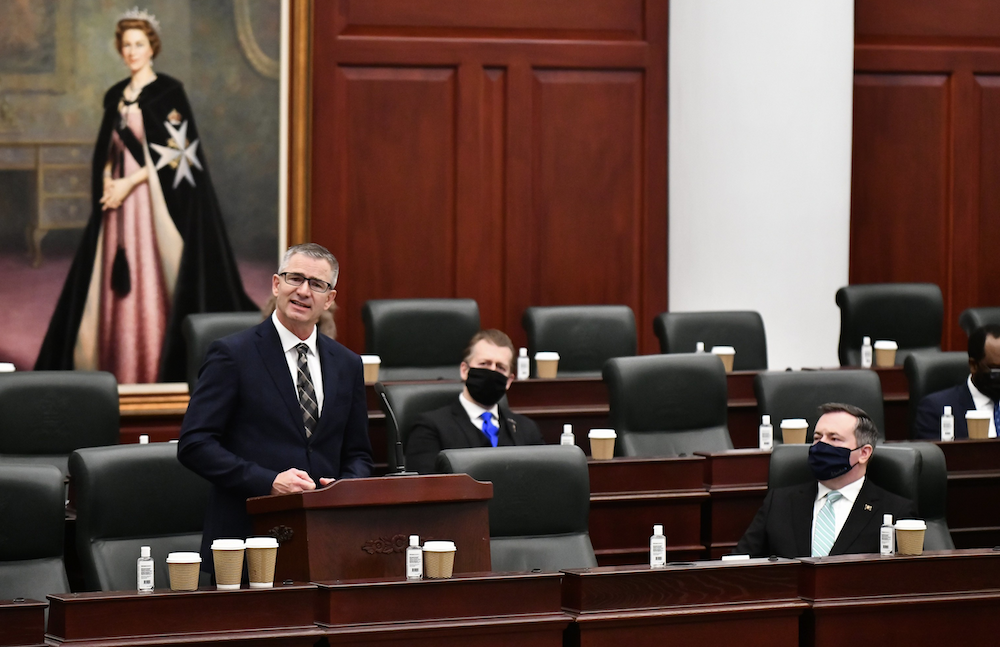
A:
(300, 122)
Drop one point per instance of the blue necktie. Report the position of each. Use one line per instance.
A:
(490, 429)
(826, 526)
(996, 417)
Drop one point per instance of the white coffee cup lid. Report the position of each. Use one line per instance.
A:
(261, 542)
(228, 544)
(911, 524)
(886, 344)
(723, 350)
(371, 359)
(974, 414)
(439, 546)
(546, 356)
(183, 558)
(602, 433)
(794, 423)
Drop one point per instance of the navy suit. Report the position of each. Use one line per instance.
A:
(927, 425)
(783, 525)
(244, 426)
(450, 428)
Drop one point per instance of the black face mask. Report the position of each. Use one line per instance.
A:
(485, 386)
(988, 382)
(828, 461)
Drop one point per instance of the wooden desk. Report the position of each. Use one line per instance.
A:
(284, 615)
(939, 598)
(629, 495)
(482, 609)
(712, 603)
(973, 491)
(737, 484)
(22, 623)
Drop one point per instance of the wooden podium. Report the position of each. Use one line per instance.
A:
(359, 528)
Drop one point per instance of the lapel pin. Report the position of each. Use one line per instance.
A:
(868, 507)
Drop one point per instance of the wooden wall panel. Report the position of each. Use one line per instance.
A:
(944, 148)
(899, 193)
(511, 151)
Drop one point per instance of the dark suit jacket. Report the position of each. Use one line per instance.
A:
(927, 425)
(450, 428)
(783, 525)
(243, 425)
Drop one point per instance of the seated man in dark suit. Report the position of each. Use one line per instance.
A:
(842, 513)
(474, 419)
(980, 391)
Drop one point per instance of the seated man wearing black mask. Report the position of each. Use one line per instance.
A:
(980, 391)
(475, 419)
(842, 513)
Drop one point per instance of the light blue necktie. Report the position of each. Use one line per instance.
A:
(490, 429)
(826, 526)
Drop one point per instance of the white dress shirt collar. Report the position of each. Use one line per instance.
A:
(475, 412)
(290, 340)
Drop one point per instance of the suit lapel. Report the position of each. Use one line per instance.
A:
(269, 347)
(330, 384)
(802, 503)
(474, 436)
(967, 403)
(867, 506)
(507, 422)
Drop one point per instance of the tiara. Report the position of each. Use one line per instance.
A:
(136, 14)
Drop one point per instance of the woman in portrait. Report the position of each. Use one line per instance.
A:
(155, 248)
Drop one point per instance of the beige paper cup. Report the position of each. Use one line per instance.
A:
(727, 354)
(183, 569)
(910, 536)
(371, 365)
(546, 364)
(228, 556)
(262, 553)
(885, 353)
(439, 559)
(979, 424)
(793, 431)
(602, 444)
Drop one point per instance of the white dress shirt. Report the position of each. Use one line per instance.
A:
(289, 341)
(841, 507)
(475, 412)
(983, 403)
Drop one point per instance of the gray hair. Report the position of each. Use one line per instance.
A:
(312, 250)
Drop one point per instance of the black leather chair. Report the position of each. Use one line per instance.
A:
(200, 330)
(973, 318)
(798, 394)
(584, 336)
(668, 405)
(45, 415)
(931, 371)
(32, 532)
(910, 314)
(406, 402)
(419, 339)
(540, 506)
(131, 496)
(915, 471)
(679, 332)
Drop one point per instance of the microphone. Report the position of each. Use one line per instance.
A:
(398, 445)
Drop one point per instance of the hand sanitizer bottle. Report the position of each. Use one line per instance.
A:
(144, 571)
(887, 537)
(866, 352)
(567, 437)
(947, 425)
(699, 347)
(657, 548)
(414, 559)
(522, 364)
(765, 435)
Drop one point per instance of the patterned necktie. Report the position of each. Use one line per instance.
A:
(490, 429)
(826, 526)
(996, 418)
(307, 394)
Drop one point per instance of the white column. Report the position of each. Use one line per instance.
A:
(760, 166)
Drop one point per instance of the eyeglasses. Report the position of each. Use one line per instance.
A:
(295, 280)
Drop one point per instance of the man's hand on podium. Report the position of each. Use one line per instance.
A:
(292, 480)
(323, 482)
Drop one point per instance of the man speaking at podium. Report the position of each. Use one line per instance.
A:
(278, 408)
